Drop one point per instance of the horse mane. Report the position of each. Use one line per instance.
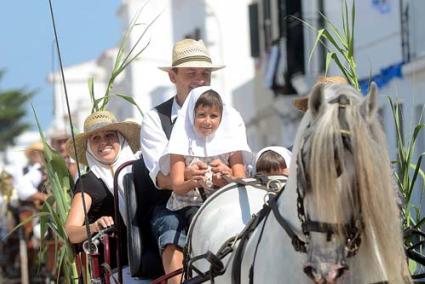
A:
(366, 181)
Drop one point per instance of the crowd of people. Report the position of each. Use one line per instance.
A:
(190, 146)
(24, 189)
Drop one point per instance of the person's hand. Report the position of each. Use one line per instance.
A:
(220, 170)
(103, 223)
(218, 167)
(218, 180)
(196, 171)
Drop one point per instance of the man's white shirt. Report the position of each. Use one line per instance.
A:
(153, 139)
(23, 185)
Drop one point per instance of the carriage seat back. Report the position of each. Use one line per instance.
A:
(141, 196)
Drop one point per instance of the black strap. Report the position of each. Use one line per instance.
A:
(216, 265)
(259, 181)
(298, 244)
(164, 113)
(251, 269)
(244, 237)
(202, 193)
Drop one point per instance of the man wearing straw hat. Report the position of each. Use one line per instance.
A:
(191, 67)
(58, 137)
(35, 173)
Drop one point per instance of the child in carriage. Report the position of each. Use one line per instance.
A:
(273, 161)
(272, 166)
(205, 131)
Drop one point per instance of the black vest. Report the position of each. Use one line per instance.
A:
(149, 195)
(164, 113)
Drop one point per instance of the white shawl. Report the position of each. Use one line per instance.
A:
(103, 171)
(230, 136)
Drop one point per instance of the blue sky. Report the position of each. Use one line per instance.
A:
(85, 29)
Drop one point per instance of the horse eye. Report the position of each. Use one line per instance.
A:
(338, 166)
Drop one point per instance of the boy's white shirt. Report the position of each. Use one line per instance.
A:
(230, 136)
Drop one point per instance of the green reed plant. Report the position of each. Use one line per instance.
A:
(406, 173)
(339, 44)
(122, 60)
(407, 169)
(53, 215)
(55, 211)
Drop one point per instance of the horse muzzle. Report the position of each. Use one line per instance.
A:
(322, 273)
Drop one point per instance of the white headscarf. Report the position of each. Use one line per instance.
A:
(282, 151)
(230, 136)
(103, 171)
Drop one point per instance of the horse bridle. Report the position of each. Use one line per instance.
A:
(351, 230)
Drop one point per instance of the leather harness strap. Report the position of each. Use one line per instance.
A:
(297, 243)
(244, 237)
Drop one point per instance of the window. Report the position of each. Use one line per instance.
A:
(413, 35)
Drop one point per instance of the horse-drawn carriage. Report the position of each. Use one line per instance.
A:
(336, 220)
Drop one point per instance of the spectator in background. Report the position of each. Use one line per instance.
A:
(58, 137)
(32, 185)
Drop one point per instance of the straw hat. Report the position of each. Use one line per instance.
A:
(103, 121)
(34, 147)
(190, 53)
(302, 102)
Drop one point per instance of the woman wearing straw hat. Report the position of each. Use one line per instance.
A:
(103, 146)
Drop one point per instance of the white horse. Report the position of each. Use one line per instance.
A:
(338, 208)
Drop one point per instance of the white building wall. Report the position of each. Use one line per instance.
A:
(377, 34)
(76, 78)
(144, 81)
(228, 39)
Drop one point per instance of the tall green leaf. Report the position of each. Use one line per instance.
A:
(55, 209)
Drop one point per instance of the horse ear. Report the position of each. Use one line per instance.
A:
(369, 105)
(316, 100)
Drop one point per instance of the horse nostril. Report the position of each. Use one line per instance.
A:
(308, 269)
(311, 272)
(340, 270)
(336, 272)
